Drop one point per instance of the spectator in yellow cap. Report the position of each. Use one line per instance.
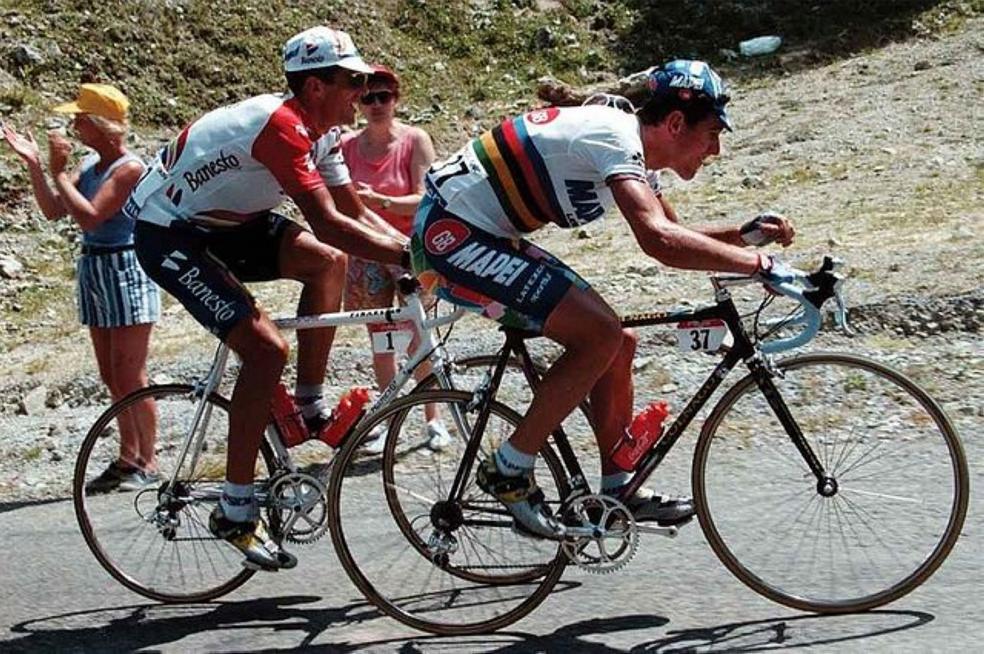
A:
(116, 299)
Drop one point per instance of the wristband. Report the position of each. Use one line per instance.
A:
(405, 259)
(766, 262)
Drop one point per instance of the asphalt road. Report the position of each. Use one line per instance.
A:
(673, 597)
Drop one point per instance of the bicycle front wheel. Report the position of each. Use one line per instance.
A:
(154, 542)
(894, 511)
(449, 568)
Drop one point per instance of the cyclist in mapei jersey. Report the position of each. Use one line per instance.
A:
(568, 166)
(205, 224)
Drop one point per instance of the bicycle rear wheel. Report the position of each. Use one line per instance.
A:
(901, 485)
(163, 552)
(472, 574)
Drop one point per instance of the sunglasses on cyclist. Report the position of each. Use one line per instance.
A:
(356, 80)
(373, 97)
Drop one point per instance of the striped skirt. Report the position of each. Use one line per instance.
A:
(114, 291)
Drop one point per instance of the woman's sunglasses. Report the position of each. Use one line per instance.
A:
(382, 97)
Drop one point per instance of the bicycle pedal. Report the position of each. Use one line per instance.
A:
(251, 565)
(668, 532)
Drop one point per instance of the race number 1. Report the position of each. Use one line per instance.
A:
(390, 339)
(701, 335)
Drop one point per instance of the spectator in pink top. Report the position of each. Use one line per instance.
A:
(387, 161)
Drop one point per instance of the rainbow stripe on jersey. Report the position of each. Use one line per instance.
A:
(518, 176)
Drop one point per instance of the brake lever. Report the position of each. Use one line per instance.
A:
(840, 313)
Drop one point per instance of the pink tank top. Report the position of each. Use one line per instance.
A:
(389, 175)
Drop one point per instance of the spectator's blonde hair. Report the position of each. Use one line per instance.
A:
(111, 129)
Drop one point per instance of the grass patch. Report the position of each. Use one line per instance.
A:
(33, 453)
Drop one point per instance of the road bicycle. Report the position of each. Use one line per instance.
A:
(155, 540)
(826, 482)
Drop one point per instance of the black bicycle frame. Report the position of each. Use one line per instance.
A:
(742, 349)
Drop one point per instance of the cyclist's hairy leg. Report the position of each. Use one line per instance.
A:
(611, 406)
(591, 335)
(237, 519)
(611, 401)
(263, 351)
(321, 268)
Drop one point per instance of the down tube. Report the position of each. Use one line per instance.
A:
(673, 433)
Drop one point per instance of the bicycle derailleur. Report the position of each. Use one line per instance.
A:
(300, 505)
(603, 534)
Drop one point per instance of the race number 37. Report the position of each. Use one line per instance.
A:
(701, 335)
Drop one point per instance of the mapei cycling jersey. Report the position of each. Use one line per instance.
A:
(236, 162)
(549, 165)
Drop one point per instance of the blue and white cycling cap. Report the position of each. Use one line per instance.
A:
(321, 47)
(690, 79)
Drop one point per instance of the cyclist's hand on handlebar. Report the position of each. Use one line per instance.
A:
(774, 272)
(767, 228)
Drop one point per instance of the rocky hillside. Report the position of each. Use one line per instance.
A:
(864, 129)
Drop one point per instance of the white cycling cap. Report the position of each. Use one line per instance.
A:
(321, 47)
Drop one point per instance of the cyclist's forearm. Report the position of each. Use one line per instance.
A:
(352, 237)
(376, 222)
(680, 247)
(722, 233)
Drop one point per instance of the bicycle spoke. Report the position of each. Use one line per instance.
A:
(473, 570)
(895, 506)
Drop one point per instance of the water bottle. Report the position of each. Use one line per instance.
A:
(645, 430)
(288, 417)
(343, 418)
(760, 45)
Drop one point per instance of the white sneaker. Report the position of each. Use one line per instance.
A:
(437, 435)
(377, 440)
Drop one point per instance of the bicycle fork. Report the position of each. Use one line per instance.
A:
(826, 484)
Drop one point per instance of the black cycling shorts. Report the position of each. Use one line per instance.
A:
(204, 267)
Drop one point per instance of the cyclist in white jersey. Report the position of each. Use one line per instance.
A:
(205, 225)
(568, 166)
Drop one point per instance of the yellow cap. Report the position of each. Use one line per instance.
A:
(100, 100)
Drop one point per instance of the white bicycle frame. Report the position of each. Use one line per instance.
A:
(429, 347)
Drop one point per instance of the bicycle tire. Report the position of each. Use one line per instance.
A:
(345, 537)
(99, 536)
(849, 455)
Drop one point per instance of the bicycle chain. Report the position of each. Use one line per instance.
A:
(597, 511)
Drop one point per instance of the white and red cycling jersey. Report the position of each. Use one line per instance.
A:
(236, 162)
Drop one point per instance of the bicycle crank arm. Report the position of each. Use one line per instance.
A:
(669, 532)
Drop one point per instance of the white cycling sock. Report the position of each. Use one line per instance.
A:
(237, 501)
(311, 400)
(511, 462)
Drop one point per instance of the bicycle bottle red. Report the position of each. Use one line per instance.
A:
(645, 430)
(345, 415)
(288, 417)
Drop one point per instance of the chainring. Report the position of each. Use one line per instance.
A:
(301, 506)
(614, 535)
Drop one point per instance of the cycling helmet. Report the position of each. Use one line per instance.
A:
(690, 80)
(611, 100)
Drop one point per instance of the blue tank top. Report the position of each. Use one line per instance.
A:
(117, 229)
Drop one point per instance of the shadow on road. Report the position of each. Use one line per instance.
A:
(20, 504)
(150, 626)
(752, 636)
